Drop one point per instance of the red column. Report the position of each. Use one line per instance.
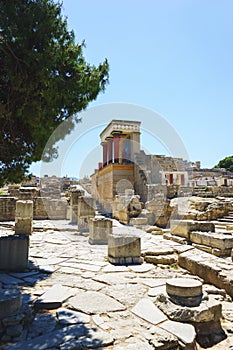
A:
(109, 151)
(182, 179)
(116, 139)
(105, 150)
(171, 179)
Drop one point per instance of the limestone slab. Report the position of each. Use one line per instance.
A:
(161, 259)
(128, 293)
(185, 332)
(94, 302)
(53, 298)
(146, 310)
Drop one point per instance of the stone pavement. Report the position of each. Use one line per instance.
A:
(80, 301)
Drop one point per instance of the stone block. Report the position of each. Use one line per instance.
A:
(83, 225)
(161, 259)
(23, 217)
(14, 252)
(7, 208)
(138, 221)
(23, 226)
(86, 207)
(205, 226)
(182, 228)
(213, 270)
(214, 251)
(214, 240)
(24, 209)
(124, 249)
(74, 203)
(123, 216)
(99, 230)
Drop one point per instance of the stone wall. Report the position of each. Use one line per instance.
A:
(7, 208)
(109, 181)
(43, 208)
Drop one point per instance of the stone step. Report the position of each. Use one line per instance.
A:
(211, 269)
(226, 220)
(211, 239)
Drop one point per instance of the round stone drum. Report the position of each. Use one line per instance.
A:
(184, 291)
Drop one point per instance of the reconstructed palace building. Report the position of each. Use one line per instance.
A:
(125, 166)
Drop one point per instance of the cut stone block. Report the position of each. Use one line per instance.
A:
(24, 209)
(183, 228)
(14, 252)
(10, 302)
(53, 298)
(177, 239)
(99, 230)
(23, 217)
(148, 311)
(138, 221)
(214, 251)
(83, 225)
(74, 201)
(86, 207)
(161, 259)
(124, 249)
(215, 240)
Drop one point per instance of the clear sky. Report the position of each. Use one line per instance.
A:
(174, 57)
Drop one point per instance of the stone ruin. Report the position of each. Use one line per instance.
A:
(184, 301)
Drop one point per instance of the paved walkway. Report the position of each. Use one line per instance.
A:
(82, 301)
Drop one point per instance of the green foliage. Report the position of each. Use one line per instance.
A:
(44, 80)
(226, 163)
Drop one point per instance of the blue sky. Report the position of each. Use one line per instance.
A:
(174, 57)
